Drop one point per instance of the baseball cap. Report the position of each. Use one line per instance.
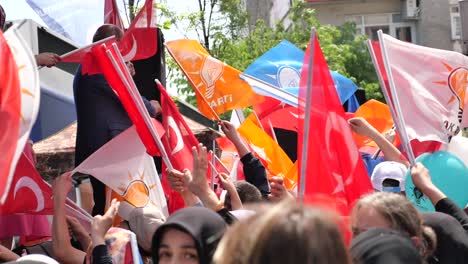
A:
(389, 170)
(36, 259)
(143, 221)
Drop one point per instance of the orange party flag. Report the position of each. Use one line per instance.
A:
(217, 85)
(268, 151)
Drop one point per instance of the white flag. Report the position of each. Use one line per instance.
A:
(431, 86)
(30, 95)
(124, 166)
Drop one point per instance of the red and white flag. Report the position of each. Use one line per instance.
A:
(25, 111)
(29, 193)
(111, 14)
(179, 139)
(140, 41)
(178, 142)
(430, 85)
(124, 166)
(329, 161)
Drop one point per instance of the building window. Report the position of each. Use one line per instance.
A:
(456, 22)
(391, 24)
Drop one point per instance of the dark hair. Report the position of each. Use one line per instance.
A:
(2, 18)
(284, 233)
(107, 30)
(248, 193)
(390, 183)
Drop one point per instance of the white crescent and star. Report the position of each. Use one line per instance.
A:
(131, 54)
(27, 182)
(180, 142)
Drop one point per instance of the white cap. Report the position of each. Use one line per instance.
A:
(389, 170)
(37, 259)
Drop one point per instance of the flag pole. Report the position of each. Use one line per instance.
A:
(258, 120)
(152, 130)
(307, 124)
(400, 120)
(276, 92)
(214, 172)
(213, 112)
(272, 131)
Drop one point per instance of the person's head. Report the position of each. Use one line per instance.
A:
(379, 245)
(190, 235)
(2, 18)
(107, 30)
(143, 222)
(284, 233)
(389, 176)
(394, 211)
(248, 193)
(452, 241)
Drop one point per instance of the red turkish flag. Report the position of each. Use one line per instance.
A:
(178, 142)
(140, 41)
(179, 139)
(29, 193)
(10, 112)
(333, 166)
(111, 14)
(275, 112)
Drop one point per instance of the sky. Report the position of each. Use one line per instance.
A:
(19, 9)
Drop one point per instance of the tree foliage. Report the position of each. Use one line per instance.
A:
(229, 37)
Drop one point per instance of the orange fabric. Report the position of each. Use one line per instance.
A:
(378, 115)
(217, 85)
(269, 152)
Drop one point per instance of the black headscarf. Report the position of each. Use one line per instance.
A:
(385, 246)
(204, 225)
(452, 239)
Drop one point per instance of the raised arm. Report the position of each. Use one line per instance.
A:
(63, 250)
(362, 127)
(254, 170)
(422, 180)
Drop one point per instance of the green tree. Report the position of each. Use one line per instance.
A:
(231, 40)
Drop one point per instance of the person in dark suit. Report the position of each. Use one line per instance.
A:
(100, 114)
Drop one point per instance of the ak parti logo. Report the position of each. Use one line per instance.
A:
(456, 83)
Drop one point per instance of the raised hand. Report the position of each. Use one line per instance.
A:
(278, 190)
(177, 180)
(197, 181)
(229, 130)
(62, 186)
(48, 59)
(362, 127)
(101, 223)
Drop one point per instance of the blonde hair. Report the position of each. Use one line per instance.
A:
(284, 233)
(402, 216)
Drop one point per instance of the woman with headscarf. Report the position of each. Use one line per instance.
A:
(190, 235)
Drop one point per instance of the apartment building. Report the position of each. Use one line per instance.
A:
(432, 23)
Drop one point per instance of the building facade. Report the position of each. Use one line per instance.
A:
(432, 23)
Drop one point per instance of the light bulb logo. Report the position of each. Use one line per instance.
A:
(288, 77)
(458, 83)
(137, 192)
(212, 70)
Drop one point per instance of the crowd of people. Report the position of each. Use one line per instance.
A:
(257, 221)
